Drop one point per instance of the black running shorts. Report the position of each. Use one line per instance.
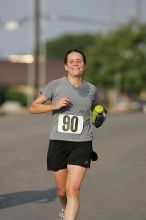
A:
(61, 153)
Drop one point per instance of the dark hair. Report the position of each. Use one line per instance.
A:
(77, 51)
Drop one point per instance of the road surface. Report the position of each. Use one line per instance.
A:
(113, 189)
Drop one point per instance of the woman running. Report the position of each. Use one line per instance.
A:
(71, 99)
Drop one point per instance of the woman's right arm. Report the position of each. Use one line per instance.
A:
(39, 105)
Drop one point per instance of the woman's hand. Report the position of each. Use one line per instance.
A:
(63, 102)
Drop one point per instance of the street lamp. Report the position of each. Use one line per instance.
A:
(11, 25)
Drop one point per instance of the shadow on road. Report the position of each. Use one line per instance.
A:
(21, 198)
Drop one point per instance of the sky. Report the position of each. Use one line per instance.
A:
(107, 13)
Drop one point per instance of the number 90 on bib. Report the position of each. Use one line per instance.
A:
(70, 124)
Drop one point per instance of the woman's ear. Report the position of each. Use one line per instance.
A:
(66, 68)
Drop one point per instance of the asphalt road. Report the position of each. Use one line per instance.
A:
(113, 189)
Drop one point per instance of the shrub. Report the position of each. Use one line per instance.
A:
(12, 94)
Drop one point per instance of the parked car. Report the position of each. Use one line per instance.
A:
(122, 105)
(138, 105)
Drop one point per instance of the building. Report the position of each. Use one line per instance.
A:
(12, 74)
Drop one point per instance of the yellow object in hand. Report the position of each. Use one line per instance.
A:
(98, 110)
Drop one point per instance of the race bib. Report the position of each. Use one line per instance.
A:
(70, 124)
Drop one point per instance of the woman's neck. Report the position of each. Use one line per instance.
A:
(75, 81)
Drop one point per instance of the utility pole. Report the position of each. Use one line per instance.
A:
(36, 49)
(37, 69)
(42, 67)
(137, 11)
(112, 19)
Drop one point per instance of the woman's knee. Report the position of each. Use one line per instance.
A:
(72, 191)
(61, 192)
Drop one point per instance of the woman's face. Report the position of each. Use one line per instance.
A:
(75, 65)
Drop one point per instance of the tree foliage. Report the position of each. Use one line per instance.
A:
(57, 48)
(116, 57)
(119, 55)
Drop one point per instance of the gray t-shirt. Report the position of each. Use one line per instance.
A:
(71, 123)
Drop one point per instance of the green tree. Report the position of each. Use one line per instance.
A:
(57, 48)
(121, 53)
(118, 55)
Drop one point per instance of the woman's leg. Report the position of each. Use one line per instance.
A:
(75, 176)
(60, 179)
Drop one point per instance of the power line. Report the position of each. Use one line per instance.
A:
(75, 19)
